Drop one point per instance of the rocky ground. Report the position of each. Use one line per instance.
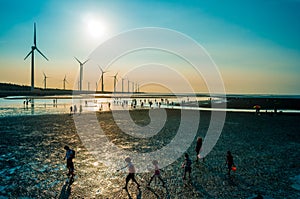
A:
(265, 150)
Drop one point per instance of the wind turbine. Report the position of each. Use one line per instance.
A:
(102, 78)
(81, 72)
(45, 80)
(34, 47)
(115, 81)
(64, 82)
(128, 83)
(132, 87)
(123, 85)
(136, 87)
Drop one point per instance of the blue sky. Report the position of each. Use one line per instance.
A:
(255, 44)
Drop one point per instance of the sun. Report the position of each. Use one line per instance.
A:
(95, 27)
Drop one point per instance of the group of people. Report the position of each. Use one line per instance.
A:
(131, 173)
(229, 158)
(186, 165)
(74, 110)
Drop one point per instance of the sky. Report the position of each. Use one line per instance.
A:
(254, 44)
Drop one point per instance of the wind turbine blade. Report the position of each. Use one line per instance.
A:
(78, 61)
(100, 68)
(34, 35)
(85, 61)
(28, 54)
(42, 54)
(44, 75)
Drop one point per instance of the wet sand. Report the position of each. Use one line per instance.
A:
(265, 149)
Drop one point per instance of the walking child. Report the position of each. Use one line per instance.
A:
(131, 173)
(187, 165)
(156, 173)
(229, 162)
(70, 154)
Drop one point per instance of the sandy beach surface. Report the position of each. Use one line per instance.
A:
(265, 150)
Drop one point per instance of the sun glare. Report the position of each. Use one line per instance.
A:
(95, 27)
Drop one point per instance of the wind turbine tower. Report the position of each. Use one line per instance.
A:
(33, 48)
(123, 85)
(132, 87)
(64, 82)
(128, 83)
(45, 80)
(102, 78)
(115, 81)
(81, 72)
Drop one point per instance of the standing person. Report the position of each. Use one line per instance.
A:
(131, 173)
(75, 108)
(71, 110)
(70, 154)
(187, 165)
(80, 109)
(229, 161)
(199, 148)
(156, 173)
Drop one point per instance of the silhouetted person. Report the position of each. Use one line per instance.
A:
(229, 161)
(100, 109)
(70, 154)
(156, 173)
(71, 110)
(75, 108)
(80, 109)
(131, 173)
(187, 165)
(257, 109)
(198, 148)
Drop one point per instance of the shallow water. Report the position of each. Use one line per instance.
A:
(16, 106)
